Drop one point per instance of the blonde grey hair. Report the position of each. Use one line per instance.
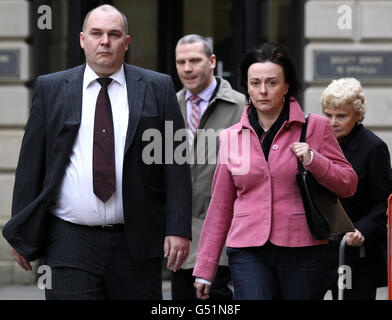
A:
(342, 91)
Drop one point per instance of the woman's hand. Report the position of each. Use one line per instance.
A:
(302, 151)
(354, 239)
(202, 290)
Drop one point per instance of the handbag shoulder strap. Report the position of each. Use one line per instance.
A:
(304, 127)
(303, 139)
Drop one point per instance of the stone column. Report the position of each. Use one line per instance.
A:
(15, 99)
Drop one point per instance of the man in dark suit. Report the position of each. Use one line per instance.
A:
(84, 197)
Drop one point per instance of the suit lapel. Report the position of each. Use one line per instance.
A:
(135, 90)
(71, 112)
(182, 103)
(74, 92)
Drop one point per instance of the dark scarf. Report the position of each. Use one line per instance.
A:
(271, 133)
(346, 140)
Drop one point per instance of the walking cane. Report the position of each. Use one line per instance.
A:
(342, 249)
(389, 213)
(342, 255)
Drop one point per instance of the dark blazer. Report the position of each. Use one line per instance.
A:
(370, 158)
(157, 198)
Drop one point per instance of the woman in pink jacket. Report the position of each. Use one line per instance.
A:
(256, 206)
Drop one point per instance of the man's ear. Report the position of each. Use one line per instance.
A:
(81, 38)
(127, 40)
(213, 61)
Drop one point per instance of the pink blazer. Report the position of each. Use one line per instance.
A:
(254, 201)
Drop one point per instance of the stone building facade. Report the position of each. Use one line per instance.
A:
(358, 46)
(15, 99)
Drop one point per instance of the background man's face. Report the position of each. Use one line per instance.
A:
(194, 68)
(104, 41)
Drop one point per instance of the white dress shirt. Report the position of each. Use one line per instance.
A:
(76, 200)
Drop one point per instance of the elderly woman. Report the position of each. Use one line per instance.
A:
(258, 210)
(343, 103)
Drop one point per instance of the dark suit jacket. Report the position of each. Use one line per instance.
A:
(156, 197)
(369, 156)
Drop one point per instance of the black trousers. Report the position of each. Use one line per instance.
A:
(94, 264)
(182, 285)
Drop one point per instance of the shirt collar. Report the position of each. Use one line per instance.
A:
(206, 94)
(90, 76)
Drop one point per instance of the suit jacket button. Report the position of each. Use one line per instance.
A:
(275, 147)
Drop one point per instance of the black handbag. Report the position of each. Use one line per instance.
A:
(325, 215)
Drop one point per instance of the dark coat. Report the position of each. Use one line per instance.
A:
(156, 198)
(370, 158)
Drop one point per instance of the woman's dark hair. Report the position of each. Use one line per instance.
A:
(273, 53)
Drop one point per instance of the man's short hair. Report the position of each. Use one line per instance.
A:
(106, 7)
(195, 38)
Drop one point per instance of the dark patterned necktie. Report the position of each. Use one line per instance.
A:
(104, 168)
